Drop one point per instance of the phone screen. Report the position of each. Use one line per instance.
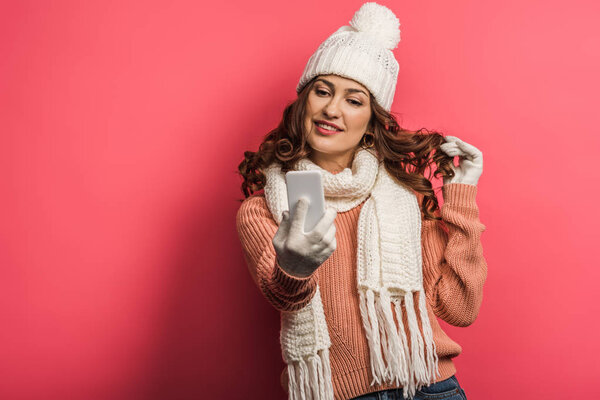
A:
(307, 184)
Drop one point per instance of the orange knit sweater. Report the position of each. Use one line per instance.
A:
(454, 271)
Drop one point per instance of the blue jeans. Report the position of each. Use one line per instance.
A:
(448, 389)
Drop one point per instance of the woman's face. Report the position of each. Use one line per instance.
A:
(346, 104)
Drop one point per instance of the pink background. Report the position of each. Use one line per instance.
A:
(123, 123)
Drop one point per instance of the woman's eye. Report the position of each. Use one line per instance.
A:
(321, 92)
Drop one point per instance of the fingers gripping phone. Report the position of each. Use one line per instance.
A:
(307, 184)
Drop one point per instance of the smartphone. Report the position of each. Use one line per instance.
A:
(307, 184)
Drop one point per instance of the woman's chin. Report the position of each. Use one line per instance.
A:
(325, 145)
(324, 149)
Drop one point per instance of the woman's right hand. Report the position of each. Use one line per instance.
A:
(298, 253)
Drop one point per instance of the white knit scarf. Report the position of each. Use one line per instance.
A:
(389, 270)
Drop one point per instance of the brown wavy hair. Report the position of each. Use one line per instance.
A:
(406, 154)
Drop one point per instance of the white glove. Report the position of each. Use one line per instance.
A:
(299, 253)
(470, 163)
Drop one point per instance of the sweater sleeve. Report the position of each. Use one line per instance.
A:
(256, 229)
(454, 268)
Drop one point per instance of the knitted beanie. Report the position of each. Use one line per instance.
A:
(361, 51)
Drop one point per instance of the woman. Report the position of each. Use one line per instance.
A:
(360, 294)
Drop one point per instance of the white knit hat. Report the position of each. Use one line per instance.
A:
(362, 52)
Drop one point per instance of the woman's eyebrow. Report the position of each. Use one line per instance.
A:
(350, 90)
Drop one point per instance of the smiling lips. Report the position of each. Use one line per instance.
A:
(325, 131)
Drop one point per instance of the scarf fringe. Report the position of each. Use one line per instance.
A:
(392, 351)
(310, 379)
(371, 326)
(405, 354)
(391, 360)
(432, 358)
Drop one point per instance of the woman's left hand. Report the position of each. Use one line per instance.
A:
(470, 163)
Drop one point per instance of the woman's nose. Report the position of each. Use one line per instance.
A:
(331, 109)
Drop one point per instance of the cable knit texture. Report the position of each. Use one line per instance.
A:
(454, 271)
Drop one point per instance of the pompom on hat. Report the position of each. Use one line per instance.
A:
(361, 51)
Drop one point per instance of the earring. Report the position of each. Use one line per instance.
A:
(371, 141)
